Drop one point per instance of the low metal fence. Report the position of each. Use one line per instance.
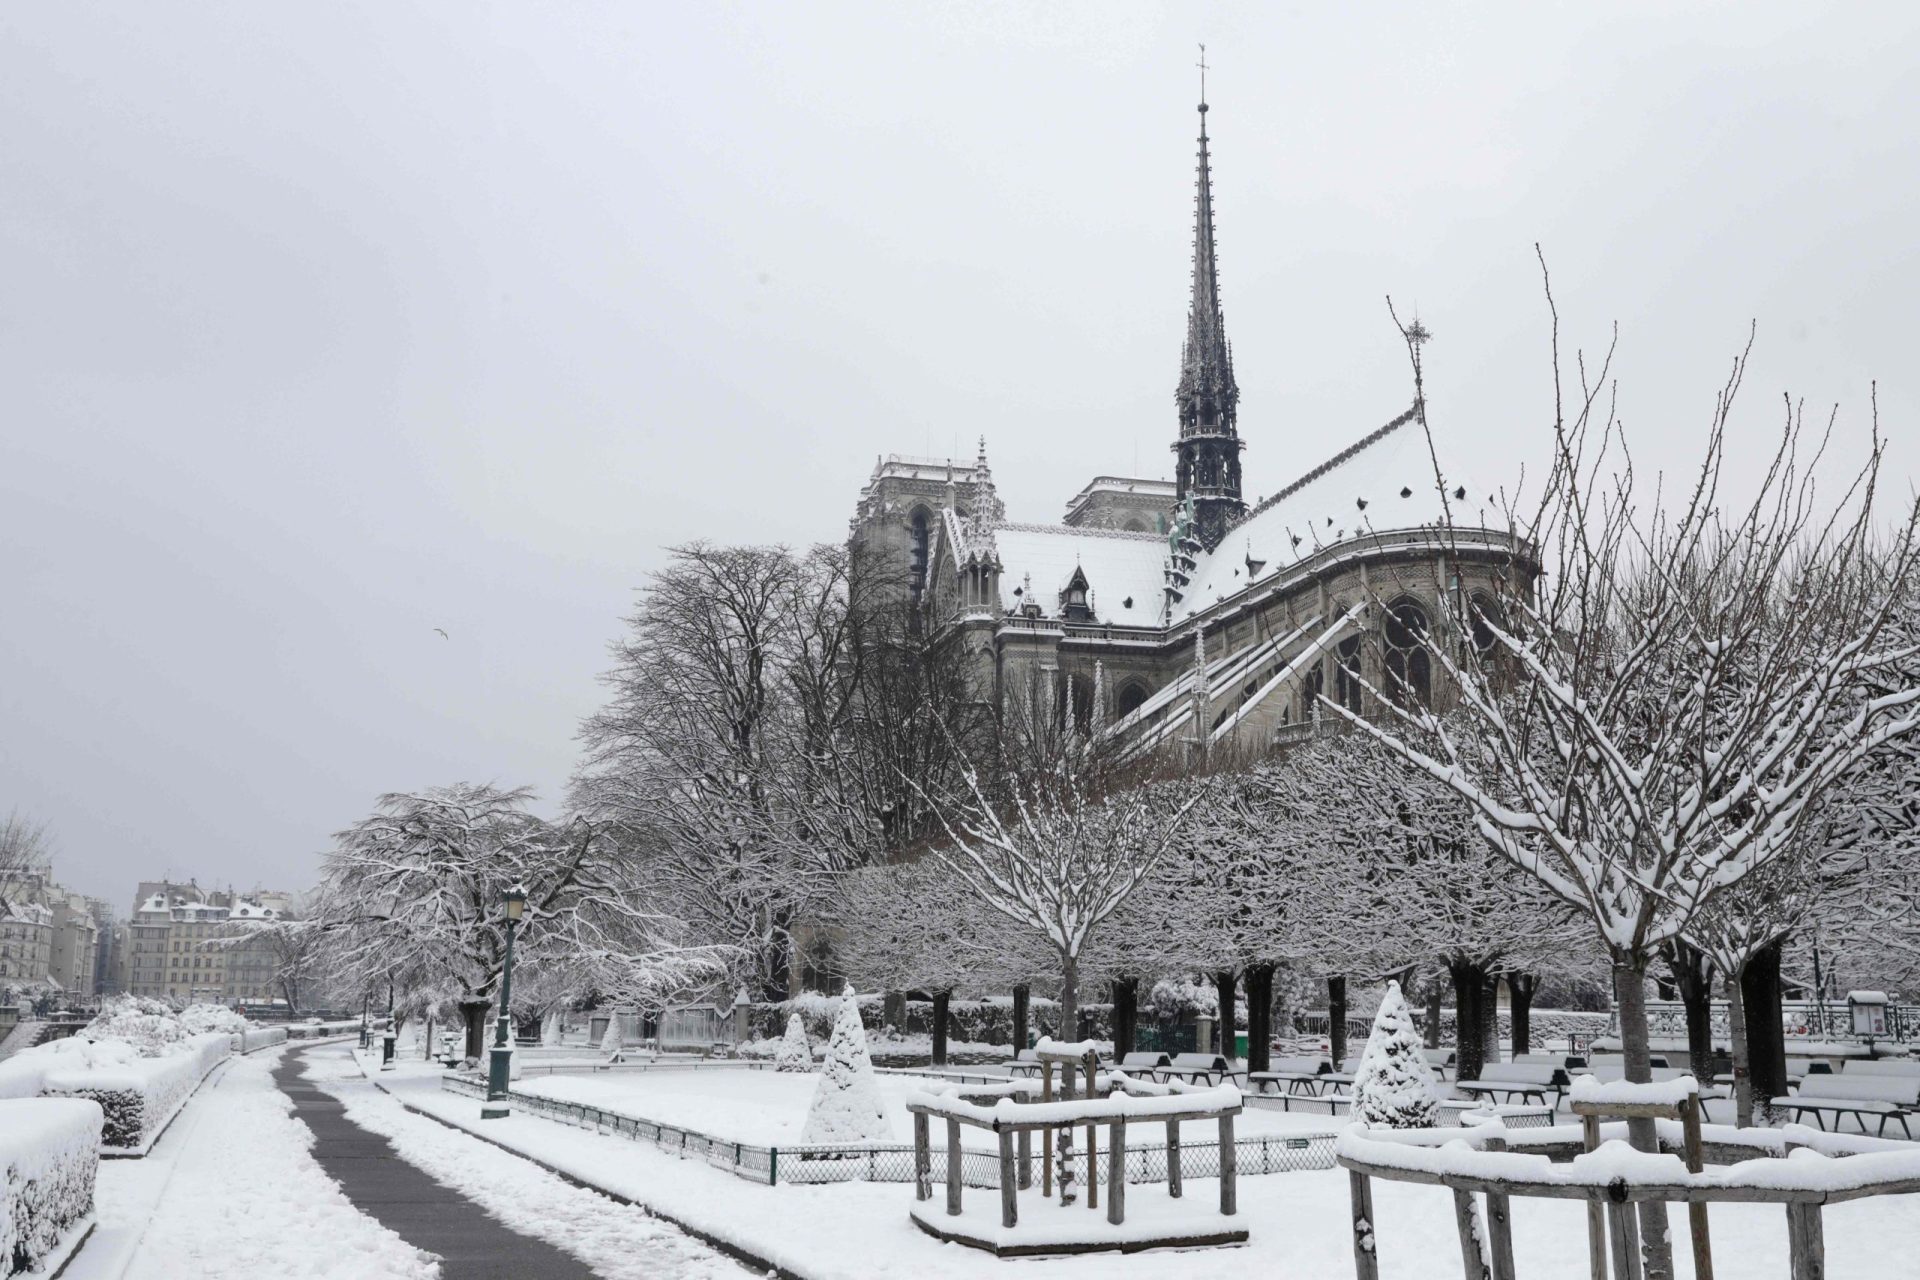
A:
(893, 1162)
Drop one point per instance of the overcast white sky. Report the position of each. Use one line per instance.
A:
(322, 326)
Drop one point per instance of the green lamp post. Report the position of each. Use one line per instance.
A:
(500, 1063)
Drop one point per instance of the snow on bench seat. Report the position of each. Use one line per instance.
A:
(1293, 1074)
(1887, 1098)
(1517, 1080)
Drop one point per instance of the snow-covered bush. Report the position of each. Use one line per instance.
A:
(149, 1026)
(259, 1038)
(201, 1018)
(614, 1040)
(1393, 1087)
(139, 1095)
(795, 1053)
(846, 1103)
(49, 1156)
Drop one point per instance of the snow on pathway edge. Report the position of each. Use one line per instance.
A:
(620, 1242)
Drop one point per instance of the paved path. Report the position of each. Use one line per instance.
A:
(423, 1212)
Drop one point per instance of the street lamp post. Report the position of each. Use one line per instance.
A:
(389, 1039)
(499, 1065)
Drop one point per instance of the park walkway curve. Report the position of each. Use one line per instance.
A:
(427, 1214)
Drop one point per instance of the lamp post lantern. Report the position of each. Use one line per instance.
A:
(499, 1064)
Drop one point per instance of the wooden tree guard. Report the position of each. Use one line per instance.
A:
(1625, 1225)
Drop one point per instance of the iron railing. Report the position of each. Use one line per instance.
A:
(893, 1162)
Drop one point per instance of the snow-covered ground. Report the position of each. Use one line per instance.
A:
(620, 1242)
(231, 1190)
(1299, 1221)
(769, 1108)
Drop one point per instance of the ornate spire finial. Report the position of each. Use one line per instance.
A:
(1203, 87)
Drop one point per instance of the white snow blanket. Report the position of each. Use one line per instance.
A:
(255, 1038)
(139, 1095)
(49, 1159)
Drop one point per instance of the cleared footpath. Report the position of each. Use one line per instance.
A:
(423, 1212)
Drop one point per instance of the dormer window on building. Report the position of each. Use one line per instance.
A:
(1075, 601)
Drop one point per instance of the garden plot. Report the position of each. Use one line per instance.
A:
(769, 1108)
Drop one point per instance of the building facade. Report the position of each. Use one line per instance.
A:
(185, 943)
(1171, 611)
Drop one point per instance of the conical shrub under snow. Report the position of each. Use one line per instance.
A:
(1394, 1086)
(795, 1054)
(846, 1102)
(613, 1040)
(550, 1028)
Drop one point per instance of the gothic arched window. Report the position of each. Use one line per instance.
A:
(1409, 664)
(1132, 694)
(918, 526)
(1311, 689)
(1483, 615)
(1346, 674)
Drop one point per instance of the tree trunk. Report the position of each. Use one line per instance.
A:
(1435, 993)
(893, 1011)
(1069, 998)
(1020, 997)
(1520, 987)
(474, 1014)
(1223, 989)
(1467, 1039)
(1259, 1016)
(1742, 1060)
(1630, 988)
(1126, 1015)
(1489, 1016)
(1693, 982)
(942, 1001)
(1766, 1036)
(1280, 1026)
(1337, 1018)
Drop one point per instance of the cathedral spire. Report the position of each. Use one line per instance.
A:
(1208, 398)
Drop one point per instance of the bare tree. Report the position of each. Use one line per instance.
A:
(26, 844)
(1656, 721)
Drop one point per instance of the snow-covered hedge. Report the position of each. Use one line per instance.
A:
(138, 1094)
(49, 1156)
(259, 1038)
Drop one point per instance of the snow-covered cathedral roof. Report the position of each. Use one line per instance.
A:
(1125, 571)
(1385, 482)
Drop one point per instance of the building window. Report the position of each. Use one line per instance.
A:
(1409, 664)
(1132, 694)
(920, 543)
(1346, 674)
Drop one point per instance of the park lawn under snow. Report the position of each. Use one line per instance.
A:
(769, 1108)
(1298, 1221)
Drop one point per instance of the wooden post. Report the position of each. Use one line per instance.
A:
(1229, 1169)
(1499, 1225)
(1116, 1172)
(1472, 1264)
(1026, 1159)
(1625, 1235)
(1696, 1209)
(922, 1158)
(1366, 1261)
(1046, 1136)
(1009, 1208)
(1090, 1066)
(1173, 1159)
(1805, 1242)
(953, 1168)
(1596, 1215)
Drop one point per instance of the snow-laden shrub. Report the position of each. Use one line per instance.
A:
(796, 1054)
(1180, 998)
(138, 1095)
(1393, 1087)
(201, 1018)
(846, 1103)
(148, 1025)
(259, 1038)
(614, 1040)
(49, 1157)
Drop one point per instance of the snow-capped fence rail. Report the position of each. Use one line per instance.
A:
(49, 1158)
(893, 1162)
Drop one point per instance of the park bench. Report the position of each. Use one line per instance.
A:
(1883, 1097)
(1143, 1062)
(1441, 1060)
(1333, 1081)
(1567, 1061)
(1301, 1075)
(1522, 1080)
(1195, 1067)
(1026, 1063)
(1901, 1068)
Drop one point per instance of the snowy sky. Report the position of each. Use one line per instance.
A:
(323, 326)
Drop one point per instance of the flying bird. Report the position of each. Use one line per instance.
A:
(443, 635)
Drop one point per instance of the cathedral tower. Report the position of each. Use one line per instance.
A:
(1208, 469)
